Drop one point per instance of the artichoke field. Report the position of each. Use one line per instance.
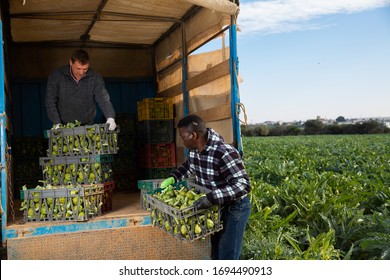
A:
(318, 197)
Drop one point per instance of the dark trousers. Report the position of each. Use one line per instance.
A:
(226, 244)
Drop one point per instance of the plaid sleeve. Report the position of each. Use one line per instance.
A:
(183, 171)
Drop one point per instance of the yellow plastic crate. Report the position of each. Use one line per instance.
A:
(159, 108)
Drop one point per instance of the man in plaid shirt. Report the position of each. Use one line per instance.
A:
(218, 167)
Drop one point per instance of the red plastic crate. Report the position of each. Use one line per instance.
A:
(158, 155)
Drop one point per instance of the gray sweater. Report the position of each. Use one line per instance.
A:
(68, 100)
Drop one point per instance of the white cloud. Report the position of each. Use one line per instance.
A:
(276, 16)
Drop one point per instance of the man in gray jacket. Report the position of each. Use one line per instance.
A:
(73, 91)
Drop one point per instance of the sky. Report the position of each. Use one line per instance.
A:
(299, 59)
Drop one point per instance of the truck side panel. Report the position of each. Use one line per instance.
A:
(131, 243)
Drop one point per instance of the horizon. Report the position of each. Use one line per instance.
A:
(386, 118)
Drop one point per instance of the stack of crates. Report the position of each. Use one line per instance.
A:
(25, 154)
(156, 137)
(125, 171)
(77, 175)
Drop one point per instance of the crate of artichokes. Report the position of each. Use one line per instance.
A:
(62, 203)
(172, 211)
(73, 140)
(87, 169)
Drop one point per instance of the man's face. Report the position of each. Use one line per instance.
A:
(78, 69)
(188, 138)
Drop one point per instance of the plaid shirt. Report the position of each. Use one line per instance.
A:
(217, 167)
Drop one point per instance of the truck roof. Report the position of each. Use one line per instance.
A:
(100, 22)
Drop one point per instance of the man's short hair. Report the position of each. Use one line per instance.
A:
(81, 56)
(193, 123)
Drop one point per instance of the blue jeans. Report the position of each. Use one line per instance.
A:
(226, 244)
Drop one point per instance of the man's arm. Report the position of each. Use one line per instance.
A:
(182, 171)
(51, 100)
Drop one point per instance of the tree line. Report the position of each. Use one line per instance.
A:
(313, 127)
